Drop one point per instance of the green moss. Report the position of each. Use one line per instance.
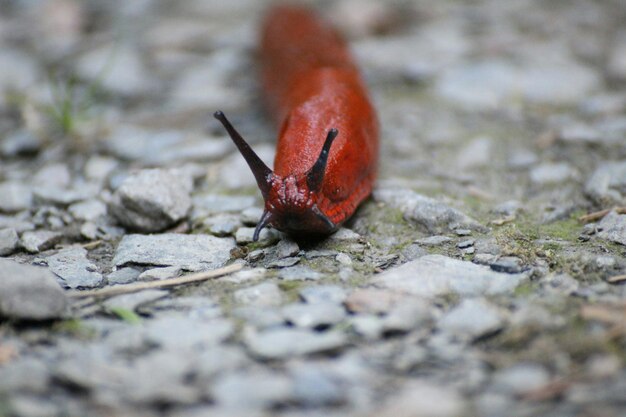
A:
(525, 289)
(73, 327)
(129, 316)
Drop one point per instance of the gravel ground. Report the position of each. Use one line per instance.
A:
(467, 285)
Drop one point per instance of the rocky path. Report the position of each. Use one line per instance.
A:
(472, 283)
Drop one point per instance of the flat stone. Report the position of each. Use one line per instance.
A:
(472, 318)
(313, 315)
(613, 227)
(74, 269)
(608, 183)
(367, 325)
(222, 224)
(118, 68)
(260, 317)
(15, 197)
(151, 200)
(39, 240)
(89, 210)
(475, 154)
(160, 147)
(267, 236)
(552, 173)
(299, 273)
(314, 387)
(8, 241)
(24, 375)
(262, 295)
(53, 175)
(435, 216)
(408, 315)
(323, 294)
(491, 83)
(160, 273)
(123, 276)
(434, 275)
(425, 399)
(436, 240)
(134, 300)
(20, 142)
(29, 292)
(520, 379)
(19, 222)
(261, 389)
(282, 343)
(507, 264)
(246, 275)
(188, 252)
(185, 334)
(372, 300)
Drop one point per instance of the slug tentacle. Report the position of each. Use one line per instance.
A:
(262, 173)
(264, 221)
(315, 176)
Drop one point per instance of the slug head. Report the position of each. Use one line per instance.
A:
(290, 201)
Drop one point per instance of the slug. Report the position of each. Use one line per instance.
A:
(327, 149)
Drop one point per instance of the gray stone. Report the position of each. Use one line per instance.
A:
(30, 293)
(251, 215)
(491, 83)
(425, 399)
(313, 315)
(54, 175)
(222, 224)
(299, 273)
(616, 66)
(436, 240)
(123, 276)
(323, 294)
(74, 269)
(19, 71)
(552, 173)
(89, 210)
(508, 264)
(267, 236)
(283, 263)
(608, 183)
(19, 143)
(24, 375)
(134, 300)
(372, 300)
(185, 334)
(118, 68)
(368, 326)
(15, 197)
(262, 295)
(475, 154)
(260, 317)
(408, 315)
(613, 228)
(435, 216)
(282, 343)
(472, 318)
(245, 275)
(189, 252)
(151, 200)
(520, 379)
(39, 240)
(18, 222)
(160, 273)
(8, 241)
(522, 158)
(57, 196)
(97, 167)
(434, 275)
(252, 390)
(161, 147)
(314, 387)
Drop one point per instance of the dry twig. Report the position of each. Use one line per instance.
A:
(171, 282)
(597, 215)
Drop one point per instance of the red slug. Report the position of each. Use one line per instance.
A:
(327, 152)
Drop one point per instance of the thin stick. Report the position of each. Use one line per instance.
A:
(617, 279)
(597, 215)
(171, 282)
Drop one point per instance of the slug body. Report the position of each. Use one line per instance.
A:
(327, 151)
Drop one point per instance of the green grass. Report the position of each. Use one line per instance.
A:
(126, 315)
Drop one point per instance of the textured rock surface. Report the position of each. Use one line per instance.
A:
(29, 292)
(151, 200)
(190, 252)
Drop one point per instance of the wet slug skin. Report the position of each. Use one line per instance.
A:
(327, 148)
